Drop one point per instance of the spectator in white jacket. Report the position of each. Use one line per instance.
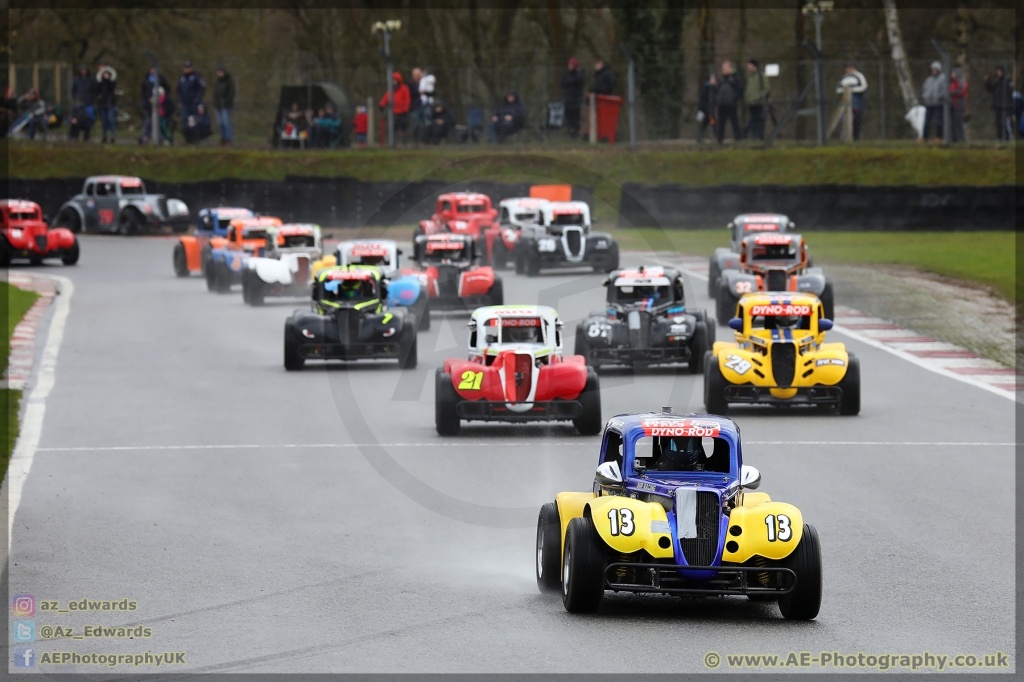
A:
(933, 96)
(858, 86)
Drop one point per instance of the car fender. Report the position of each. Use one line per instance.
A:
(404, 291)
(679, 326)
(59, 238)
(562, 380)
(727, 259)
(597, 329)
(382, 326)
(570, 506)
(739, 283)
(309, 328)
(722, 346)
(476, 281)
(813, 283)
(73, 205)
(599, 241)
(271, 270)
(474, 381)
(193, 252)
(752, 533)
(737, 365)
(647, 523)
(829, 365)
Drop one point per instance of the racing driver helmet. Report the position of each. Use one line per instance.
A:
(677, 454)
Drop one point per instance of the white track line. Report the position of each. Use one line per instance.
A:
(35, 406)
(903, 355)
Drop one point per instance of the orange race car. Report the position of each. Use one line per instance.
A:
(246, 237)
(192, 251)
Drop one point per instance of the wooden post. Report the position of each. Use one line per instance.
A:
(12, 78)
(35, 77)
(371, 129)
(593, 119)
(56, 83)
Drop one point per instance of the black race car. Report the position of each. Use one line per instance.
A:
(646, 323)
(350, 320)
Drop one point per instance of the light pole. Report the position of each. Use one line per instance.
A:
(818, 9)
(154, 121)
(386, 27)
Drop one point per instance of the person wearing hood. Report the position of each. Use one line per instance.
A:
(440, 123)
(191, 89)
(957, 105)
(728, 97)
(572, 96)
(224, 102)
(1001, 88)
(508, 119)
(400, 107)
(933, 96)
(604, 80)
(106, 103)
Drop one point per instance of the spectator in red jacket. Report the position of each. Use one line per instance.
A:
(400, 106)
(360, 125)
(958, 104)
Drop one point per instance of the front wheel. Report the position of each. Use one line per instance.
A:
(589, 422)
(70, 256)
(70, 220)
(424, 317)
(497, 292)
(5, 252)
(128, 224)
(499, 258)
(583, 564)
(612, 261)
(517, 260)
(292, 360)
(828, 301)
(713, 274)
(481, 249)
(549, 549)
(180, 260)
(698, 347)
(849, 403)
(416, 232)
(714, 386)
(532, 259)
(725, 303)
(256, 293)
(221, 277)
(407, 346)
(804, 602)
(446, 420)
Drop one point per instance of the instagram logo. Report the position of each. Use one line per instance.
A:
(24, 605)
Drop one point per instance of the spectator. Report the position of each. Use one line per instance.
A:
(296, 126)
(191, 89)
(80, 123)
(756, 95)
(858, 86)
(106, 103)
(224, 102)
(102, 68)
(198, 126)
(400, 106)
(958, 105)
(415, 113)
(572, 96)
(1002, 103)
(326, 128)
(83, 89)
(440, 124)
(933, 96)
(604, 81)
(508, 119)
(8, 111)
(361, 125)
(147, 101)
(706, 108)
(34, 109)
(425, 88)
(730, 91)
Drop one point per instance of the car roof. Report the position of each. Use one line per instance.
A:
(257, 221)
(114, 178)
(649, 272)
(524, 202)
(371, 271)
(779, 298)
(638, 424)
(19, 205)
(553, 207)
(770, 238)
(295, 228)
(487, 312)
(761, 218)
(464, 197)
(229, 212)
(448, 237)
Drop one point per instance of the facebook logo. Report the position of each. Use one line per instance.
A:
(24, 631)
(24, 656)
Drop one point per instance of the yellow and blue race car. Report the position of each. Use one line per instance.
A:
(780, 357)
(672, 511)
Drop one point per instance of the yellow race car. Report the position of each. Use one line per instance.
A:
(780, 357)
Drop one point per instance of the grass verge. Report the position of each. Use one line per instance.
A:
(17, 302)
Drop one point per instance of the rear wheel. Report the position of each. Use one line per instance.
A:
(5, 252)
(292, 360)
(589, 423)
(446, 420)
(407, 345)
(180, 260)
(499, 259)
(549, 549)
(518, 260)
(725, 303)
(424, 317)
(256, 293)
(698, 346)
(849, 403)
(70, 219)
(129, 223)
(497, 292)
(581, 345)
(481, 249)
(532, 259)
(713, 274)
(714, 386)
(611, 261)
(70, 256)
(828, 301)
(583, 564)
(221, 277)
(205, 259)
(416, 232)
(804, 602)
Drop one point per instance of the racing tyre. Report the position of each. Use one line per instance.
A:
(849, 403)
(70, 256)
(714, 386)
(424, 317)
(828, 301)
(581, 346)
(612, 262)
(70, 220)
(205, 258)
(221, 277)
(499, 256)
(709, 324)
(698, 347)
(589, 423)
(517, 259)
(549, 549)
(583, 565)
(725, 303)
(481, 250)
(416, 232)
(292, 360)
(446, 421)
(407, 346)
(713, 274)
(256, 293)
(5, 252)
(804, 602)
(180, 260)
(497, 292)
(128, 224)
(532, 264)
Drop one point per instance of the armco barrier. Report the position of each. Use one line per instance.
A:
(331, 202)
(825, 207)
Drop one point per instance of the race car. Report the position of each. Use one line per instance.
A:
(350, 321)
(516, 373)
(119, 204)
(283, 266)
(454, 281)
(564, 238)
(246, 237)
(646, 323)
(772, 262)
(673, 511)
(780, 357)
(468, 213)
(192, 252)
(24, 234)
(406, 287)
(741, 226)
(513, 215)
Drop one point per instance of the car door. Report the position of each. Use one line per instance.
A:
(107, 207)
(91, 222)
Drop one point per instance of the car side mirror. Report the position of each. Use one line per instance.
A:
(750, 477)
(608, 475)
(824, 324)
(736, 323)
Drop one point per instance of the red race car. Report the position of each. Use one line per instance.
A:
(24, 234)
(453, 279)
(516, 373)
(467, 213)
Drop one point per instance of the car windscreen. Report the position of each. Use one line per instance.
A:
(628, 293)
(681, 454)
(526, 217)
(438, 252)
(781, 316)
(347, 290)
(129, 189)
(253, 234)
(224, 222)
(295, 241)
(567, 219)
(24, 216)
(471, 208)
(773, 252)
(514, 330)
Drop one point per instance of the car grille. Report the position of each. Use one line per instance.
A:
(524, 376)
(348, 326)
(776, 280)
(702, 550)
(41, 242)
(574, 242)
(783, 363)
(162, 205)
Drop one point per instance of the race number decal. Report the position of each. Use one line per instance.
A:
(778, 527)
(106, 216)
(471, 381)
(737, 364)
(621, 521)
(594, 330)
(743, 287)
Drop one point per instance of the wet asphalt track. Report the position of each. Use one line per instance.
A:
(314, 522)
